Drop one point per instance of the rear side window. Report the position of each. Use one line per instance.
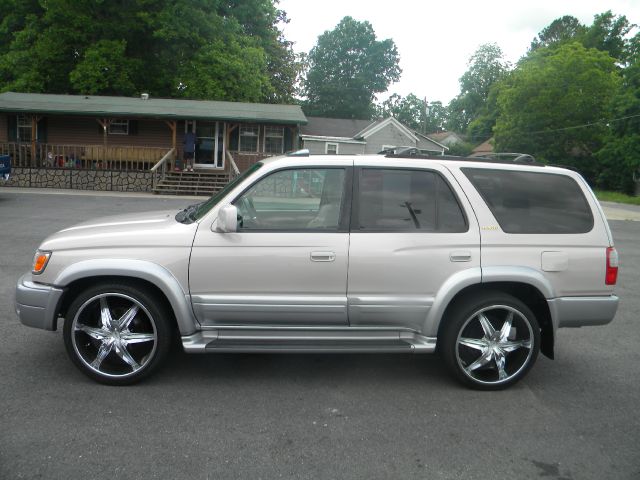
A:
(532, 202)
(406, 200)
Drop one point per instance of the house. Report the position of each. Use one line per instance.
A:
(141, 135)
(446, 138)
(346, 136)
(483, 149)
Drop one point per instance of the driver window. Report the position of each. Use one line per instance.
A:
(296, 199)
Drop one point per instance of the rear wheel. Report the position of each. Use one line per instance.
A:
(117, 334)
(490, 341)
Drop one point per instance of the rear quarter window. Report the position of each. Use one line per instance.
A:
(533, 202)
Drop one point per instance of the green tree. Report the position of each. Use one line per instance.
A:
(563, 29)
(555, 106)
(486, 66)
(347, 68)
(162, 47)
(415, 113)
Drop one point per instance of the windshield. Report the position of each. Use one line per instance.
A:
(202, 208)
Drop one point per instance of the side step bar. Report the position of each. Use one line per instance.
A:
(307, 341)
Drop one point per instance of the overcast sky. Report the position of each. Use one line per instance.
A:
(436, 38)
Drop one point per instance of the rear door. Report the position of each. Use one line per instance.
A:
(411, 230)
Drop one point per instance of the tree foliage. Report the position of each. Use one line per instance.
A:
(486, 66)
(347, 68)
(554, 105)
(415, 113)
(210, 49)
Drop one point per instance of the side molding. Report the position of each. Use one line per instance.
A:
(151, 272)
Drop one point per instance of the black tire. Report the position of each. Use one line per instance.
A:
(123, 346)
(489, 340)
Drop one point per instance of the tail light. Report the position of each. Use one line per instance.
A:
(611, 276)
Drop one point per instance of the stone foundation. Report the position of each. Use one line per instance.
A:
(109, 180)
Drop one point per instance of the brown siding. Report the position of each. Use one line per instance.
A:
(3, 128)
(86, 131)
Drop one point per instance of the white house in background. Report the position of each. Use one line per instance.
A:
(345, 136)
(445, 138)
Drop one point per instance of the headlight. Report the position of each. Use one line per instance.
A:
(40, 260)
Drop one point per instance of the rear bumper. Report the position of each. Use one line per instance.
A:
(36, 304)
(582, 311)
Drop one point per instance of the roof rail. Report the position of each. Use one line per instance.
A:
(521, 158)
(299, 153)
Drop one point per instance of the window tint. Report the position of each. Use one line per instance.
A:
(407, 200)
(532, 202)
(297, 199)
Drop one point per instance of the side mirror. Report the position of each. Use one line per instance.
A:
(227, 219)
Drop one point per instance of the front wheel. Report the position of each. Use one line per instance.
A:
(117, 333)
(490, 340)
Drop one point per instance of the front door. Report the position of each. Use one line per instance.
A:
(287, 263)
(409, 234)
(210, 144)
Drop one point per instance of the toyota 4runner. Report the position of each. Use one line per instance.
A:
(479, 260)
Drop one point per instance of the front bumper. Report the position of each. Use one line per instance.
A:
(583, 311)
(37, 304)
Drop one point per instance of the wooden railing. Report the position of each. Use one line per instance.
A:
(44, 155)
(159, 170)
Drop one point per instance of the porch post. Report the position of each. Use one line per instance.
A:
(34, 132)
(173, 126)
(104, 122)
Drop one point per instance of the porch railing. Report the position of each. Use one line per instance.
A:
(45, 155)
(159, 170)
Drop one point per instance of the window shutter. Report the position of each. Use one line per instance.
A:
(12, 128)
(42, 131)
(133, 127)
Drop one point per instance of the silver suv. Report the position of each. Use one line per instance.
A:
(479, 260)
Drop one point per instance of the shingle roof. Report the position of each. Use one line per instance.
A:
(153, 107)
(334, 127)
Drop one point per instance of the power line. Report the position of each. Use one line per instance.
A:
(586, 125)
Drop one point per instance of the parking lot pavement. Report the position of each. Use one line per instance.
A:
(308, 416)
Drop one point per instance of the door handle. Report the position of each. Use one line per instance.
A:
(460, 256)
(323, 256)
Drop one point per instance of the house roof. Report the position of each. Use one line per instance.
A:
(422, 139)
(333, 127)
(380, 124)
(439, 136)
(484, 147)
(91, 105)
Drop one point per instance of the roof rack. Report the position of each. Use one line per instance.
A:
(520, 158)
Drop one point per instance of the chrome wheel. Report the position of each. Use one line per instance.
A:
(495, 344)
(114, 335)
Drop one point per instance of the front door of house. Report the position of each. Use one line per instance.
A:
(210, 145)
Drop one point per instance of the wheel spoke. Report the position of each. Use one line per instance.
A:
(500, 364)
(131, 337)
(475, 343)
(487, 328)
(124, 354)
(481, 361)
(509, 347)
(506, 327)
(125, 320)
(103, 351)
(97, 333)
(105, 314)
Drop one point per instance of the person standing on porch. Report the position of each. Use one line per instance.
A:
(188, 150)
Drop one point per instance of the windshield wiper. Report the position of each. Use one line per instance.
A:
(188, 214)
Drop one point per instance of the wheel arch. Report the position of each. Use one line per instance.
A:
(527, 293)
(85, 274)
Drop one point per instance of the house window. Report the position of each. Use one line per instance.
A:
(331, 148)
(24, 128)
(249, 138)
(273, 139)
(118, 127)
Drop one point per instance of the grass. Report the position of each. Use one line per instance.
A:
(618, 197)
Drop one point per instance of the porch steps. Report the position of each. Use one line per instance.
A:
(192, 183)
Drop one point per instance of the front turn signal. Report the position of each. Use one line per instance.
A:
(40, 261)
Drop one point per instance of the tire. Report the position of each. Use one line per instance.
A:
(490, 340)
(117, 333)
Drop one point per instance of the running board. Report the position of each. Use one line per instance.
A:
(307, 341)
